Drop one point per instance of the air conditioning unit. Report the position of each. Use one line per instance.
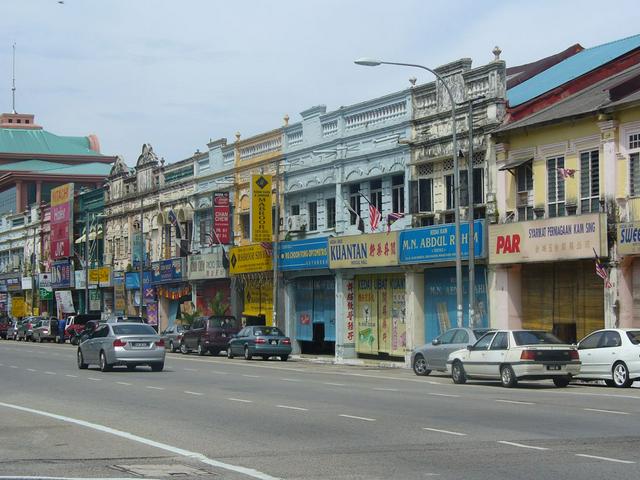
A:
(296, 223)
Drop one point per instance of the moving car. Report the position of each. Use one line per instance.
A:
(433, 356)
(513, 355)
(46, 329)
(612, 355)
(128, 344)
(210, 334)
(75, 325)
(172, 336)
(260, 341)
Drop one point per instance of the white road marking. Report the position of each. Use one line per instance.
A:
(290, 380)
(607, 459)
(94, 379)
(31, 370)
(293, 408)
(516, 402)
(124, 383)
(13, 366)
(513, 444)
(50, 373)
(190, 369)
(443, 395)
(251, 376)
(219, 372)
(71, 376)
(445, 431)
(358, 418)
(250, 472)
(193, 393)
(334, 384)
(605, 411)
(66, 478)
(155, 388)
(386, 389)
(240, 400)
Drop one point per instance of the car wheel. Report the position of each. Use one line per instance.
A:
(183, 348)
(81, 364)
(561, 382)
(201, 351)
(172, 348)
(247, 353)
(284, 358)
(420, 366)
(73, 341)
(621, 375)
(39, 339)
(157, 367)
(265, 357)
(508, 377)
(229, 352)
(131, 368)
(215, 352)
(104, 366)
(610, 383)
(457, 373)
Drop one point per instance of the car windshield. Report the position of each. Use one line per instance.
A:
(531, 337)
(268, 331)
(478, 332)
(634, 337)
(133, 330)
(222, 322)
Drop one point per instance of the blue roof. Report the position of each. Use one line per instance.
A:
(570, 68)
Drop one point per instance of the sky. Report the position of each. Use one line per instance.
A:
(178, 73)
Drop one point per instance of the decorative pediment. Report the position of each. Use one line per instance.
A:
(119, 167)
(147, 157)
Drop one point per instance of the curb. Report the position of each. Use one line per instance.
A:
(351, 362)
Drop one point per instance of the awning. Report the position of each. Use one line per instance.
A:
(515, 163)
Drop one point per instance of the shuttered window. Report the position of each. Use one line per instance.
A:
(555, 188)
(589, 182)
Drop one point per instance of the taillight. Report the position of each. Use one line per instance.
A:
(575, 355)
(528, 355)
(29, 326)
(260, 340)
(160, 343)
(45, 331)
(119, 343)
(285, 341)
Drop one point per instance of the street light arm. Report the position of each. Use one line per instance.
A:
(436, 74)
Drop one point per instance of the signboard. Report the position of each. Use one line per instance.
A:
(152, 314)
(349, 333)
(44, 285)
(119, 302)
(366, 250)
(61, 274)
(132, 280)
(221, 207)
(261, 199)
(18, 307)
(94, 276)
(438, 243)
(14, 284)
(303, 254)
(206, 266)
(61, 236)
(94, 300)
(136, 249)
(27, 283)
(104, 276)
(64, 300)
(560, 238)
(629, 238)
(79, 283)
(250, 259)
(149, 295)
(168, 271)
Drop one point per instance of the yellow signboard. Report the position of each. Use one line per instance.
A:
(94, 276)
(104, 276)
(366, 250)
(258, 300)
(18, 307)
(62, 194)
(250, 259)
(261, 226)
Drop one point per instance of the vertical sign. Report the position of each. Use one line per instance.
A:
(261, 228)
(221, 217)
(61, 216)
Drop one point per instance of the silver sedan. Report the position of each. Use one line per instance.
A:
(128, 344)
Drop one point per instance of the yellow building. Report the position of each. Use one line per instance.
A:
(565, 176)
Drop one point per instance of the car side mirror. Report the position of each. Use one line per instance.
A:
(234, 336)
(435, 341)
(469, 347)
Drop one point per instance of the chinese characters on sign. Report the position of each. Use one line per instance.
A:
(61, 218)
(371, 250)
(208, 265)
(261, 227)
(221, 217)
(350, 324)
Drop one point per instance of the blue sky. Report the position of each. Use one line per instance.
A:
(178, 73)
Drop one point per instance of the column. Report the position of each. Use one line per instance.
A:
(345, 347)
(608, 161)
(290, 316)
(414, 282)
(38, 192)
(505, 304)
(624, 282)
(19, 203)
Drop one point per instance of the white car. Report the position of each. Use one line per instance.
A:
(512, 355)
(612, 355)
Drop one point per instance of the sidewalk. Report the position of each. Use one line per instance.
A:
(356, 362)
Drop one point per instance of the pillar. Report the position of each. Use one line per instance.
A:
(625, 292)
(290, 315)
(505, 304)
(345, 347)
(38, 192)
(414, 301)
(19, 196)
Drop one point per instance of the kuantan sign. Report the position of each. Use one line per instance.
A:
(366, 250)
(303, 254)
(561, 238)
(261, 227)
(629, 238)
(168, 271)
(438, 243)
(221, 207)
(206, 266)
(61, 236)
(250, 259)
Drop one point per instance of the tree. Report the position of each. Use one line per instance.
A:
(188, 318)
(218, 307)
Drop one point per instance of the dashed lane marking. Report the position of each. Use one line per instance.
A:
(31, 370)
(155, 388)
(71, 376)
(293, 408)
(334, 384)
(521, 445)
(192, 393)
(606, 459)
(386, 389)
(448, 432)
(515, 402)
(366, 419)
(50, 373)
(251, 376)
(94, 379)
(605, 411)
(242, 400)
(443, 395)
(124, 383)
(290, 380)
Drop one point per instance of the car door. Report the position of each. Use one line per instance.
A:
(460, 340)
(238, 341)
(434, 353)
(496, 354)
(190, 336)
(587, 349)
(477, 357)
(608, 351)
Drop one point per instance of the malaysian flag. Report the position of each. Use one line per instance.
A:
(391, 218)
(375, 217)
(566, 172)
(358, 218)
(268, 247)
(601, 271)
(173, 220)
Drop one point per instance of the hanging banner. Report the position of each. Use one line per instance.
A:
(27, 283)
(119, 299)
(367, 250)
(61, 236)
(261, 200)
(80, 280)
(104, 276)
(366, 315)
(168, 271)
(94, 300)
(152, 314)
(18, 307)
(132, 280)
(221, 207)
(64, 301)
(136, 249)
(349, 288)
(250, 259)
(61, 274)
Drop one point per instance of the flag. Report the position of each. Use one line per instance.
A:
(359, 220)
(173, 220)
(601, 271)
(566, 172)
(374, 217)
(268, 247)
(391, 218)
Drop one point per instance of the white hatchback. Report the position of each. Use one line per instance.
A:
(512, 355)
(612, 355)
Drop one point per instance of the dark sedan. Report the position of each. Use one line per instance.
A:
(260, 341)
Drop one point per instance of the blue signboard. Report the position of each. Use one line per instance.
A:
(438, 243)
(132, 280)
(303, 254)
(118, 278)
(61, 274)
(168, 271)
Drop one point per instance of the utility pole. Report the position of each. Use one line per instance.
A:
(142, 254)
(471, 242)
(86, 261)
(276, 235)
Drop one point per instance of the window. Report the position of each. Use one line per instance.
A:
(295, 210)
(397, 193)
(634, 337)
(425, 195)
(462, 336)
(531, 337)
(168, 240)
(354, 203)
(206, 227)
(610, 339)
(312, 208)
(589, 182)
(555, 188)
(524, 184)
(478, 185)
(448, 180)
(245, 225)
(140, 329)
(203, 163)
(634, 174)
(376, 194)
(500, 342)
(591, 341)
(330, 212)
(447, 337)
(483, 343)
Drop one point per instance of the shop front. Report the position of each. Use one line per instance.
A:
(17, 301)
(544, 275)
(628, 249)
(310, 297)
(132, 292)
(170, 285)
(210, 283)
(251, 269)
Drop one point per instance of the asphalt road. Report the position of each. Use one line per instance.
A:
(206, 417)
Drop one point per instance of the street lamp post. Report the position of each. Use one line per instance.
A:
(276, 238)
(456, 167)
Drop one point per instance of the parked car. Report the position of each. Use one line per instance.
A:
(210, 334)
(4, 327)
(75, 325)
(89, 328)
(433, 356)
(46, 329)
(128, 344)
(513, 355)
(12, 330)
(260, 341)
(612, 355)
(172, 336)
(25, 328)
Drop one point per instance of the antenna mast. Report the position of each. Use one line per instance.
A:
(13, 88)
